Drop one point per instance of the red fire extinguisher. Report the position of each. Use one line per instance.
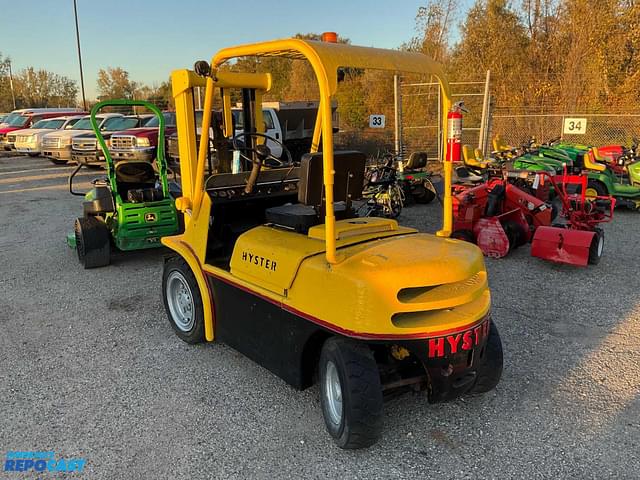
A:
(454, 132)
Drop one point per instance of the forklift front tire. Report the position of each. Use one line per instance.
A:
(490, 370)
(182, 300)
(350, 393)
(93, 242)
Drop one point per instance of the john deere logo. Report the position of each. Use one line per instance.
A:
(149, 217)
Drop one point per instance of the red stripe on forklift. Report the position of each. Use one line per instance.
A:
(344, 331)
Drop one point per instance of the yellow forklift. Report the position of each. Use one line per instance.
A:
(274, 262)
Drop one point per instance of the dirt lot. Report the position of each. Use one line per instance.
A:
(89, 367)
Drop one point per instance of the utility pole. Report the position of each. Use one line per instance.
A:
(13, 95)
(75, 13)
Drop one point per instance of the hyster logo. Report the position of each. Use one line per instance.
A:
(258, 260)
(464, 341)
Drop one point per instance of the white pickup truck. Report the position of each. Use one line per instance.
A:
(291, 123)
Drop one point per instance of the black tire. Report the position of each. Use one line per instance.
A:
(466, 235)
(596, 249)
(93, 242)
(57, 161)
(515, 233)
(176, 269)
(490, 370)
(360, 418)
(599, 187)
(424, 195)
(33, 154)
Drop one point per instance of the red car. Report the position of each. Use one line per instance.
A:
(140, 143)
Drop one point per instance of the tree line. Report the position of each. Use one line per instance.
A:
(544, 56)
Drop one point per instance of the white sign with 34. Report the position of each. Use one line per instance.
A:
(574, 126)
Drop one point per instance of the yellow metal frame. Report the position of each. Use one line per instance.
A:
(325, 59)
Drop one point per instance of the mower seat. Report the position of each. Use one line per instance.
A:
(499, 145)
(137, 182)
(417, 160)
(590, 161)
(470, 158)
(348, 184)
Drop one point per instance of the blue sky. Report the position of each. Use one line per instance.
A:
(150, 38)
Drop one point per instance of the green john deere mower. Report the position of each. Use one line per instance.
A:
(131, 209)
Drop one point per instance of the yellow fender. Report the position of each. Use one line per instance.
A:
(180, 246)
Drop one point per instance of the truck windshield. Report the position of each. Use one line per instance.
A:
(120, 123)
(10, 117)
(85, 123)
(18, 121)
(41, 124)
(52, 124)
(238, 118)
(169, 120)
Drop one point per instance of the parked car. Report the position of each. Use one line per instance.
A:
(56, 146)
(24, 118)
(2, 117)
(29, 140)
(140, 143)
(84, 148)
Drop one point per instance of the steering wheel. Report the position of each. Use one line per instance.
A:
(262, 151)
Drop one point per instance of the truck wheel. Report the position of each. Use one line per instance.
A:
(182, 300)
(350, 393)
(597, 247)
(490, 370)
(57, 161)
(93, 242)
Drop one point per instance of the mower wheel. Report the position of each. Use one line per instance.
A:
(422, 194)
(597, 247)
(594, 187)
(515, 233)
(490, 370)
(350, 393)
(93, 242)
(466, 235)
(182, 300)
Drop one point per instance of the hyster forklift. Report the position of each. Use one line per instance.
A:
(274, 262)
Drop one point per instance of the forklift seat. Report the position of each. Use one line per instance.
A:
(417, 160)
(347, 186)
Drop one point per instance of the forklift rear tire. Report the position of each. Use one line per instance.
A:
(350, 393)
(93, 242)
(597, 247)
(182, 300)
(490, 370)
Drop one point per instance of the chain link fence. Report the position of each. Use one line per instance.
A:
(599, 129)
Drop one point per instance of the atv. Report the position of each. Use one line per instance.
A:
(274, 262)
(131, 209)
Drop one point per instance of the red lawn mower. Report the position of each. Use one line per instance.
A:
(498, 217)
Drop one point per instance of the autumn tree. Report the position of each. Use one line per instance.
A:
(115, 83)
(40, 88)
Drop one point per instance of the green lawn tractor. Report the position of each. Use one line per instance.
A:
(416, 179)
(604, 179)
(131, 209)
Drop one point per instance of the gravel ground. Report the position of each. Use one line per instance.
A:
(91, 368)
